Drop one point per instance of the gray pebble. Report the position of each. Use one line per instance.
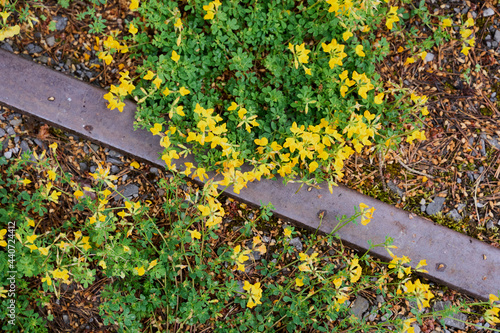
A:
(459, 180)
(93, 168)
(124, 178)
(33, 48)
(114, 161)
(40, 144)
(66, 319)
(50, 41)
(113, 153)
(380, 299)
(2, 132)
(422, 201)
(416, 328)
(114, 169)
(359, 306)
(440, 306)
(394, 188)
(154, 170)
(295, 242)
(10, 130)
(94, 147)
(8, 154)
(6, 47)
(16, 140)
(43, 59)
(490, 225)
(461, 206)
(423, 208)
(481, 169)
(25, 147)
(16, 122)
(61, 22)
(488, 12)
(372, 316)
(435, 206)
(497, 36)
(454, 214)
(429, 57)
(130, 190)
(83, 166)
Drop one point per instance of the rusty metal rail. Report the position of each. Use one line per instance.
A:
(453, 259)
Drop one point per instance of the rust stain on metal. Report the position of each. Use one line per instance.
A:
(453, 259)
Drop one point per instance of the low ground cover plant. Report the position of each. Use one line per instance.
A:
(191, 270)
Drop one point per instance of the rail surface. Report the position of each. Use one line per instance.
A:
(453, 259)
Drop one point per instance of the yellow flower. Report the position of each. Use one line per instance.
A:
(25, 181)
(135, 165)
(157, 82)
(255, 293)
(355, 270)
(2, 235)
(183, 91)
(346, 35)
(491, 316)
(134, 4)
(261, 142)
(240, 257)
(493, 298)
(175, 57)
(409, 60)
(367, 214)
(195, 234)
(149, 76)
(423, 55)
(132, 29)
(78, 194)
(166, 92)
(178, 23)
(106, 57)
(379, 98)
(77, 234)
(359, 50)
(47, 279)
(447, 22)
(392, 17)
(126, 248)
(308, 264)
(32, 247)
(31, 223)
(156, 129)
(420, 292)
(288, 232)
(465, 50)
(425, 111)
(51, 174)
(53, 146)
(313, 166)
(58, 274)
(140, 270)
(152, 264)
(31, 239)
(102, 263)
(44, 250)
(299, 282)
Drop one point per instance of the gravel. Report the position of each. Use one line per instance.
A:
(296, 243)
(449, 322)
(2, 132)
(454, 214)
(435, 206)
(359, 306)
(488, 12)
(51, 41)
(33, 48)
(61, 22)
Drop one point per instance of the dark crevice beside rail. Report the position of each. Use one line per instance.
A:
(453, 259)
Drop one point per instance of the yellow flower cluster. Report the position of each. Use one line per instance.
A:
(111, 44)
(308, 262)
(336, 52)
(491, 315)
(239, 257)
(211, 9)
(300, 55)
(8, 31)
(340, 6)
(392, 17)
(255, 292)
(469, 40)
(213, 209)
(116, 94)
(420, 291)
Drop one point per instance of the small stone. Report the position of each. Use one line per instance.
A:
(454, 214)
(461, 206)
(2, 132)
(25, 147)
(83, 166)
(93, 168)
(490, 225)
(6, 47)
(66, 319)
(416, 328)
(380, 299)
(94, 147)
(423, 208)
(296, 243)
(459, 180)
(16, 122)
(481, 169)
(429, 57)
(43, 59)
(265, 239)
(124, 178)
(440, 306)
(33, 48)
(422, 201)
(492, 141)
(50, 41)
(61, 22)
(40, 144)
(16, 140)
(115, 154)
(372, 316)
(497, 36)
(10, 130)
(394, 188)
(359, 307)
(154, 170)
(130, 190)
(435, 206)
(114, 169)
(114, 161)
(8, 154)
(488, 12)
